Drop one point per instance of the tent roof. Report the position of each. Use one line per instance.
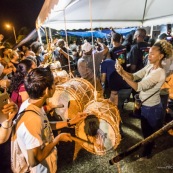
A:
(104, 13)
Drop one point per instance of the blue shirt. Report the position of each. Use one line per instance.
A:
(115, 81)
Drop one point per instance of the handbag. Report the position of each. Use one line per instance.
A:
(138, 103)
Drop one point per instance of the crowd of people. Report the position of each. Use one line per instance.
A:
(116, 70)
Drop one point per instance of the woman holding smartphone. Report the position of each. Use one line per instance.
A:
(151, 79)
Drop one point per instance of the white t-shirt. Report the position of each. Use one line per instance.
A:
(34, 131)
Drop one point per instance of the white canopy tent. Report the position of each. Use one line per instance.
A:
(77, 14)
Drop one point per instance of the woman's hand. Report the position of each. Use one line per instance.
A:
(5, 83)
(10, 110)
(119, 68)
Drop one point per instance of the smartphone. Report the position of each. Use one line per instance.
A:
(3, 100)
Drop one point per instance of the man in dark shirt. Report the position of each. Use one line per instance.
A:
(136, 54)
(64, 57)
(118, 52)
(137, 51)
(119, 89)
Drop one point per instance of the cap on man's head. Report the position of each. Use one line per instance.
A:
(86, 47)
(60, 42)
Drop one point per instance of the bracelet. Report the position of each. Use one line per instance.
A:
(7, 127)
(68, 123)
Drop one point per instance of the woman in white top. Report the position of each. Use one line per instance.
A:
(152, 77)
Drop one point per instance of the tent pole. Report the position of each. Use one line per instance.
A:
(39, 36)
(144, 12)
(70, 73)
(47, 40)
(50, 34)
(151, 31)
(90, 12)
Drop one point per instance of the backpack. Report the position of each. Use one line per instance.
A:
(18, 161)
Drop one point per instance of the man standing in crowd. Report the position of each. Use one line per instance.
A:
(116, 89)
(37, 48)
(118, 52)
(85, 64)
(64, 57)
(136, 52)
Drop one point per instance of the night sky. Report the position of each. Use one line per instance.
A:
(21, 13)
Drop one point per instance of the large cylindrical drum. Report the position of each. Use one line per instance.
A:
(82, 88)
(60, 76)
(73, 94)
(99, 131)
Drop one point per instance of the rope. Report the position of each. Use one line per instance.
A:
(90, 11)
(144, 12)
(70, 73)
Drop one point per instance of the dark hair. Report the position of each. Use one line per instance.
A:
(151, 42)
(35, 46)
(32, 59)
(37, 81)
(116, 37)
(22, 69)
(141, 32)
(91, 125)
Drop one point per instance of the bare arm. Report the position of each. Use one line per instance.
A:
(128, 77)
(65, 54)
(61, 124)
(5, 131)
(133, 84)
(103, 78)
(132, 68)
(58, 125)
(37, 155)
(104, 48)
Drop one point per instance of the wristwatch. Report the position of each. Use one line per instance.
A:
(68, 123)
